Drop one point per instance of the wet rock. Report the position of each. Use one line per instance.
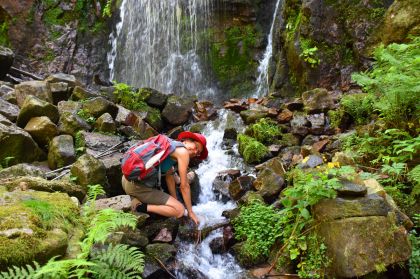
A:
(228, 237)
(155, 225)
(177, 110)
(165, 253)
(42, 130)
(38, 89)
(191, 272)
(9, 110)
(235, 105)
(6, 60)
(217, 245)
(33, 107)
(19, 143)
(164, 236)
(244, 258)
(222, 181)
(204, 111)
(89, 171)
(105, 124)
(61, 152)
(239, 186)
(135, 238)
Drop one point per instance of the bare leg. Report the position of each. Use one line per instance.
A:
(172, 208)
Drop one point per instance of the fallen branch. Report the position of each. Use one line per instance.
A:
(164, 267)
(25, 73)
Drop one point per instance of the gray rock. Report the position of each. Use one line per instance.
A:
(60, 91)
(350, 189)
(8, 110)
(80, 93)
(240, 186)
(317, 100)
(317, 123)
(269, 184)
(22, 170)
(68, 106)
(61, 152)
(61, 77)
(33, 107)
(121, 203)
(311, 162)
(300, 125)
(71, 123)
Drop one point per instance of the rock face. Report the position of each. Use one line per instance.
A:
(361, 233)
(6, 60)
(320, 43)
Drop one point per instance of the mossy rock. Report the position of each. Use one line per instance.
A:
(34, 226)
(245, 258)
(252, 150)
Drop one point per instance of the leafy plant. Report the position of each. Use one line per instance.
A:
(107, 11)
(395, 81)
(86, 116)
(264, 131)
(260, 226)
(358, 106)
(129, 98)
(120, 261)
(252, 150)
(308, 53)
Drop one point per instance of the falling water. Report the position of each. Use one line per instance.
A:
(210, 209)
(157, 44)
(262, 80)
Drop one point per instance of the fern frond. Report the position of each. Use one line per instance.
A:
(94, 191)
(119, 260)
(414, 174)
(23, 272)
(65, 269)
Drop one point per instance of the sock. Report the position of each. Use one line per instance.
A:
(142, 208)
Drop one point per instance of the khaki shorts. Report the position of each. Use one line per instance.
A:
(143, 193)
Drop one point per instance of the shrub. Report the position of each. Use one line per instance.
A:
(395, 81)
(252, 150)
(358, 106)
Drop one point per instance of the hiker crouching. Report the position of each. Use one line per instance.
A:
(143, 166)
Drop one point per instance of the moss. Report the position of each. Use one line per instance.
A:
(265, 130)
(4, 37)
(232, 58)
(252, 150)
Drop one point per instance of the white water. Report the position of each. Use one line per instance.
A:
(209, 209)
(262, 80)
(156, 45)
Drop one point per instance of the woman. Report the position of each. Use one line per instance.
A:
(149, 199)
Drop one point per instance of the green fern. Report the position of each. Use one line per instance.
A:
(62, 269)
(105, 222)
(120, 261)
(23, 272)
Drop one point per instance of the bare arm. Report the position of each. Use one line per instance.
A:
(183, 159)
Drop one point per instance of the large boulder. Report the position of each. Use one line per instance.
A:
(105, 123)
(317, 100)
(98, 106)
(269, 184)
(18, 144)
(89, 171)
(61, 152)
(60, 91)
(177, 110)
(22, 169)
(42, 130)
(153, 97)
(6, 60)
(31, 182)
(32, 107)
(70, 80)
(26, 233)
(39, 89)
(70, 123)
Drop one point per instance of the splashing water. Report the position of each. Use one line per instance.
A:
(210, 210)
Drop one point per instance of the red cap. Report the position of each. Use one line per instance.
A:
(197, 137)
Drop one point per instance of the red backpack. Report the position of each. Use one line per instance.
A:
(140, 160)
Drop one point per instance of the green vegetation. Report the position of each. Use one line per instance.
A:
(265, 130)
(232, 59)
(358, 106)
(394, 82)
(252, 150)
(119, 261)
(414, 262)
(129, 98)
(86, 116)
(261, 226)
(308, 53)
(4, 37)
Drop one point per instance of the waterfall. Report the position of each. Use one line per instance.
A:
(157, 44)
(209, 210)
(262, 80)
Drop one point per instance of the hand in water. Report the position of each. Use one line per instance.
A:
(194, 218)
